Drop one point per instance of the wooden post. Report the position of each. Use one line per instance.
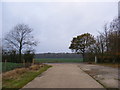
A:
(33, 62)
(23, 62)
(5, 64)
(95, 59)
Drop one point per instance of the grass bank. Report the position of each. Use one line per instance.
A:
(22, 79)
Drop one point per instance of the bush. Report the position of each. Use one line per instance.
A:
(28, 57)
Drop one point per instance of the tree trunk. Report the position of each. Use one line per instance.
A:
(20, 55)
(83, 57)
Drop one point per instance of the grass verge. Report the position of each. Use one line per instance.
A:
(22, 80)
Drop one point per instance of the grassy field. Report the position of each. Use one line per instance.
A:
(20, 80)
(58, 60)
(10, 66)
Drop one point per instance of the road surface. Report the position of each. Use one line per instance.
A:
(64, 76)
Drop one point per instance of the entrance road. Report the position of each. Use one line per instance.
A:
(64, 76)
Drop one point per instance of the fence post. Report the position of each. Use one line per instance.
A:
(95, 59)
(33, 62)
(5, 64)
(23, 62)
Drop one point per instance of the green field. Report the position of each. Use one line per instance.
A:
(10, 66)
(58, 60)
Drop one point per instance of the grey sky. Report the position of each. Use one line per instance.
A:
(55, 24)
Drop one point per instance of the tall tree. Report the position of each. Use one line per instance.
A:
(114, 38)
(20, 39)
(108, 42)
(81, 43)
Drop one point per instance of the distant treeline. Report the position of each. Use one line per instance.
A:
(58, 55)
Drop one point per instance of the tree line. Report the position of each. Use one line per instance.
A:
(105, 46)
(57, 55)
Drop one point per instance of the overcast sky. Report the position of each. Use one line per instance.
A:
(55, 24)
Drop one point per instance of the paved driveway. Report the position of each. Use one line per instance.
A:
(64, 76)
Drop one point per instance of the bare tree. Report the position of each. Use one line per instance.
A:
(108, 41)
(20, 39)
(114, 38)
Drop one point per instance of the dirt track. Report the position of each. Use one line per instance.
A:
(64, 76)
